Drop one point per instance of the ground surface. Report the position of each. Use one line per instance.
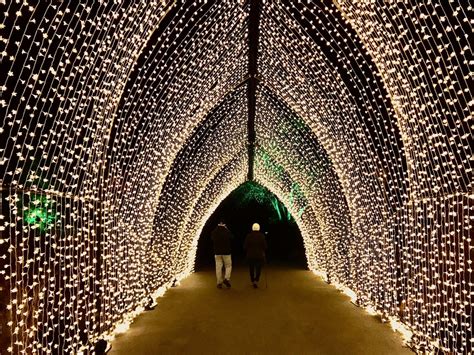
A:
(297, 314)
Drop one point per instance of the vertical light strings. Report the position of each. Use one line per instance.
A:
(124, 128)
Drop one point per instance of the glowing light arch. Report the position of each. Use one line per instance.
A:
(213, 197)
(95, 113)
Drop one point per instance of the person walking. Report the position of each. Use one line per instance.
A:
(255, 246)
(221, 236)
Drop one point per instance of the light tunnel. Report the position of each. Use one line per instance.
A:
(126, 123)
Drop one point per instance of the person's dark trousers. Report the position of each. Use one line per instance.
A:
(255, 268)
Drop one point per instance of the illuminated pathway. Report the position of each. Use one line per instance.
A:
(296, 314)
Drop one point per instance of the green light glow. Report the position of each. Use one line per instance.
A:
(251, 191)
(39, 213)
(296, 194)
(276, 206)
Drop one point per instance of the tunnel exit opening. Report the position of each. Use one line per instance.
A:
(247, 204)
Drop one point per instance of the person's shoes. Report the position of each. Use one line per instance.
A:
(227, 283)
(255, 285)
(219, 285)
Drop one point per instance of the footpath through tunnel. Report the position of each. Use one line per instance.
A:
(125, 124)
(292, 312)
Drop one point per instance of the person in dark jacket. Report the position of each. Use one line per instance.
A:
(255, 246)
(222, 237)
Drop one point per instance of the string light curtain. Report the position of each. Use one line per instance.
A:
(124, 127)
(232, 175)
(216, 142)
(422, 52)
(175, 85)
(288, 147)
(99, 98)
(358, 86)
(64, 67)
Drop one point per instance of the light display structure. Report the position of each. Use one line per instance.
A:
(101, 99)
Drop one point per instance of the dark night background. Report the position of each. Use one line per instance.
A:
(246, 205)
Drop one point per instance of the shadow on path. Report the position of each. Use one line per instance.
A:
(297, 314)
